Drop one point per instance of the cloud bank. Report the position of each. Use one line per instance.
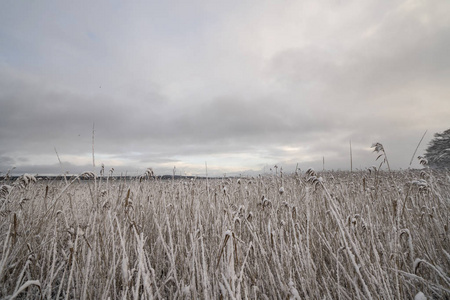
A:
(241, 86)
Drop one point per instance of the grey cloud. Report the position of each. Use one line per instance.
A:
(377, 83)
(164, 89)
(6, 163)
(401, 51)
(33, 114)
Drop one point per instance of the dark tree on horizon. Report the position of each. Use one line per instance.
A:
(438, 151)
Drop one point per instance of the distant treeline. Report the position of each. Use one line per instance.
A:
(118, 177)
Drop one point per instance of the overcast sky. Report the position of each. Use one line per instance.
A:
(242, 85)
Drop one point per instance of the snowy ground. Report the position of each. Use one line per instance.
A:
(363, 235)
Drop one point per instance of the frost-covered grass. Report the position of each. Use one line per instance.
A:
(342, 236)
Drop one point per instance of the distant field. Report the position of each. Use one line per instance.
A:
(332, 235)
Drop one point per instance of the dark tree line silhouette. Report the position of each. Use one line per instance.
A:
(438, 151)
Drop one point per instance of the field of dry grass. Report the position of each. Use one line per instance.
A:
(332, 235)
